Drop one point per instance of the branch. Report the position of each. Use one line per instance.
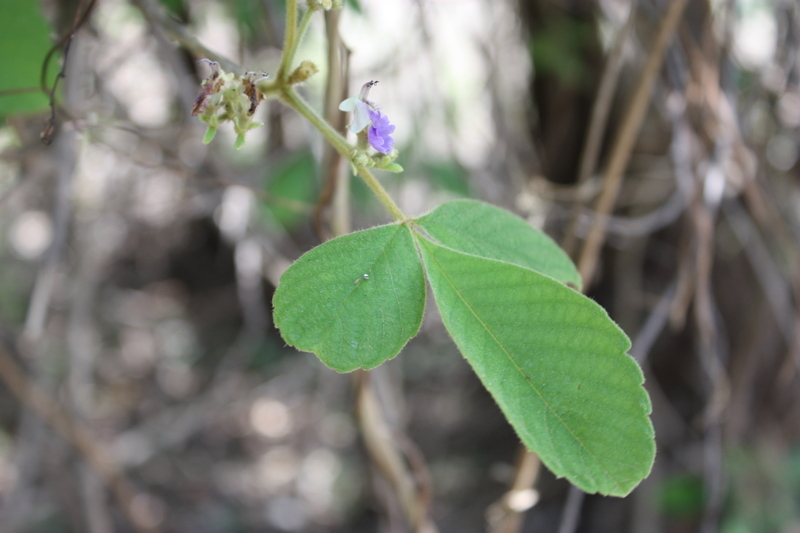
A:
(624, 142)
(33, 398)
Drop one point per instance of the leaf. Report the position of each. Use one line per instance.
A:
(24, 43)
(554, 362)
(484, 230)
(448, 176)
(355, 5)
(211, 132)
(392, 167)
(175, 7)
(296, 181)
(325, 304)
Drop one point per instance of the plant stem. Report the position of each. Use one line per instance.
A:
(289, 53)
(289, 39)
(382, 195)
(292, 99)
(624, 141)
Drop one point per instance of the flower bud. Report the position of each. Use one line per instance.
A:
(303, 72)
(319, 4)
(361, 159)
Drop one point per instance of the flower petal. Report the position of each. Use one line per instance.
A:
(349, 104)
(378, 133)
(360, 117)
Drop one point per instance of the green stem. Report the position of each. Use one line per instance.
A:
(301, 31)
(292, 99)
(382, 195)
(289, 39)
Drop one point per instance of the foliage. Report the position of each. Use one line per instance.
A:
(293, 180)
(553, 360)
(24, 43)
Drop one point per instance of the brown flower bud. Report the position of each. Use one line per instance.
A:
(303, 72)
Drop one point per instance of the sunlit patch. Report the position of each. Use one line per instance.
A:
(31, 234)
(233, 214)
(317, 479)
(755, 38)
(270, 418)
(522, 500)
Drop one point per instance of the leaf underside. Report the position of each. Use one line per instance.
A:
(554, 362)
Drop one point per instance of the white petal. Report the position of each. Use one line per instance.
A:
(360, 117)
(349, 104)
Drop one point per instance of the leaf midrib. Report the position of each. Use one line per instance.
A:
(514, 363)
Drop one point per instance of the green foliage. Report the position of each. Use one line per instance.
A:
(552, 358)
(175, 7)
(24, 43)
(355, 5)
(487, 231)
(681, 496)
(450, 177)
(764, 490)
(355, 301)
(295, 180)
(558, 50)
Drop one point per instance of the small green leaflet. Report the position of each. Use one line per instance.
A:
(553, 360)
(325, 304)
(484, 230)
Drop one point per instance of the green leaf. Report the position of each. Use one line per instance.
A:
(448, 176)
(356, 300)
(484, 230)
(175, 7)
(296, 181)
(392, 167)
(24, 43)
(355, 5)
(554, 362)
(211, 132)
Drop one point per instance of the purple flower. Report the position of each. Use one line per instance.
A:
(379, 130)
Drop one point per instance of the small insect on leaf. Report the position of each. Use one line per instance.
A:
(210, 85)
(362, 278)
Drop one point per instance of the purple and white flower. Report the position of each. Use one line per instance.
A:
(366, 113)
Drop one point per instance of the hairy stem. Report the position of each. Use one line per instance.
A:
(289, 39)
(382, 195)
(292, 99)
(289, 53)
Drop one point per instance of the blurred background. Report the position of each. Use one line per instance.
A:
(144, 387)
